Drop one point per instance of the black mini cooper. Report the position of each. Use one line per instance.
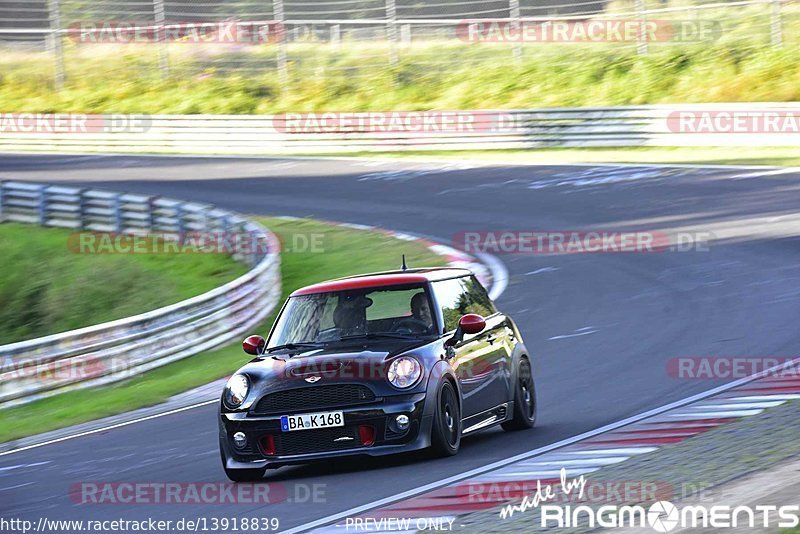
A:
(376, 364)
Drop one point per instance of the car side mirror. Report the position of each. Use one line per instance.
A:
(254, 345)
(471, 323)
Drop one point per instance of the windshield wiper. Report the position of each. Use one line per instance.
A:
(371, 335)
(298, 345)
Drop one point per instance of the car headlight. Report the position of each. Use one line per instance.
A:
(404, 372)
(236, 390)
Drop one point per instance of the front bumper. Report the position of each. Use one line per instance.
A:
(309, 445)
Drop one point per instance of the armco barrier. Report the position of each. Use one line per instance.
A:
(328, 133)
(120, 349)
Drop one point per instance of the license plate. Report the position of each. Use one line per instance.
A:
(309, 421)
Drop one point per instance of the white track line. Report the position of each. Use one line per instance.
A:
(775, 172)
(541, 450)
(107, 428)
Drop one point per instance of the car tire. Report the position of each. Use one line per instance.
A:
(525, 405)
(446, 431)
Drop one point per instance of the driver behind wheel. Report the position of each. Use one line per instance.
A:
(421, 311)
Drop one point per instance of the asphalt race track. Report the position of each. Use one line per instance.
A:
(602, 326)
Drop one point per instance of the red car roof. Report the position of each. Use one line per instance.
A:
(392, 278)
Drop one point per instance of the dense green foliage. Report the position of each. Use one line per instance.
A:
(440, 75)
(46, 288)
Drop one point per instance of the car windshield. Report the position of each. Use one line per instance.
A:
(364, 313)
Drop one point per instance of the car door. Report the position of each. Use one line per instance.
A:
(500, 335)
(498, 353)
(479, 360)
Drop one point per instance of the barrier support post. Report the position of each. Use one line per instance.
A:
(776, 25)
(513, 8)
(160, 17)
(55, 42)
(405, 34)
(283, 53)
(641, 46)
(391, 31)
(41, 206)
(82, 209)
(180, 215)
(117, 203)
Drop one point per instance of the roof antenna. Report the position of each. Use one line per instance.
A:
(404, 267)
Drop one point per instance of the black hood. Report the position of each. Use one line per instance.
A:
(360, 363)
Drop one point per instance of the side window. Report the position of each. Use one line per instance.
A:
(479, 301)
(449, 295)
(461, 296)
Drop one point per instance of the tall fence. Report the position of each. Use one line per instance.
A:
(121, 349)
(752, 124)
(273, 35)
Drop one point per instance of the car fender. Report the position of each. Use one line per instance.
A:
(441, 370)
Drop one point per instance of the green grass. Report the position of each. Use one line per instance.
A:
(431, 74)
(339, 252)
(46, 288)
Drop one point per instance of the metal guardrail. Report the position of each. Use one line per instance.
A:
(120, 349)
(325, 133)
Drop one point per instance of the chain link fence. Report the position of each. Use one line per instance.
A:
(294, 39)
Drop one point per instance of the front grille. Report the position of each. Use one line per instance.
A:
(321, 440)
(292, 401)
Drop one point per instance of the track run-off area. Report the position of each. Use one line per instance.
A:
(605, 329)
